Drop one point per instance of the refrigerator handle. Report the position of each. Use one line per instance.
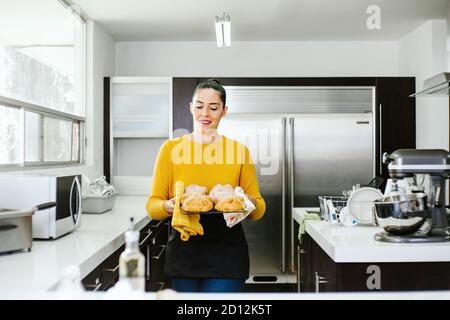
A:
(291, 191)
(283, 198)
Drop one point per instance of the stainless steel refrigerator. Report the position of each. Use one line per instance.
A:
(298, 157)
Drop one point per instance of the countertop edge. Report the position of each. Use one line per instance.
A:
(367, 250)
(104, 252)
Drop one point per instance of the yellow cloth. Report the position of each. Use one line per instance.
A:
(187, 224)
(224, 161)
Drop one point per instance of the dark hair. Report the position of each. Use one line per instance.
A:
(212, 84)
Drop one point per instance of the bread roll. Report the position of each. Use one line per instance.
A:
(196, 202)
(193, 188)
(220, 191)
(231, 203)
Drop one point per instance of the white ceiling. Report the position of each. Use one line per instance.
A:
(259, 20)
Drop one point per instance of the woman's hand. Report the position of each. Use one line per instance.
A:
(169, 205)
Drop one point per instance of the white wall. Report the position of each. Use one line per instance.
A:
(257, 59)
(423, 53)
(100, 62)
(103, 61)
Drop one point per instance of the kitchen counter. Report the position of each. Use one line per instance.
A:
(98, 237)
(190, 299)
(356, 244)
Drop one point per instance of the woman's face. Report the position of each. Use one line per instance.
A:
(207, 109)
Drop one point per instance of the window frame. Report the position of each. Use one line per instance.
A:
(45, 112)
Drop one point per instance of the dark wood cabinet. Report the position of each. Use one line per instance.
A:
(396, 117)
(304, 265)
(152, 243)
(183, 89)
(319, 273)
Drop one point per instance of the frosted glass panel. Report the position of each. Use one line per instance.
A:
(10, 135)
(140, 109)
(32, 136)
(57, 139)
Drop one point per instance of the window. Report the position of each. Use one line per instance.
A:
(42, 83)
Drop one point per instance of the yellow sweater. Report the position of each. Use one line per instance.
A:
(225, 161)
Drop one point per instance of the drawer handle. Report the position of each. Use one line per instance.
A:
(113, 270)
(320, 280)
(158, 256)
(96, 287)
(149, 234)
(158, 224)
(161, 285)
(8, 227)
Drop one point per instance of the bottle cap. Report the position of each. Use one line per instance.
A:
(131, 235)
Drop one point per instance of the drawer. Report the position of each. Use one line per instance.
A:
(93, 281)
(157, 262)
(110, 269)
(160, 236)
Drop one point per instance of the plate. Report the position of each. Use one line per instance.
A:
(361, 203)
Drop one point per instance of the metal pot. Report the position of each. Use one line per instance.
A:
(402, 214)
(16, 227)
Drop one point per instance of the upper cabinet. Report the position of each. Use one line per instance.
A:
(140, 107)
(396, 115)
(137, 113)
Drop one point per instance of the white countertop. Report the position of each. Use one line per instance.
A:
(357, 244)
(189, 299)
(98, 237)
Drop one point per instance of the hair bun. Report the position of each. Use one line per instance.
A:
(214, 80)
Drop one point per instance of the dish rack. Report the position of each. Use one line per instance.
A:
(362, 211)
(339, 202)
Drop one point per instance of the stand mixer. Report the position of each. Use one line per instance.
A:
(405, 163)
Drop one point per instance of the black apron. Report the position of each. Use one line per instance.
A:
(222, 252)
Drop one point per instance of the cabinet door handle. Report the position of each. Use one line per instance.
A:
(381, 139)
(158, 256)
(319, 280)
(161, 285)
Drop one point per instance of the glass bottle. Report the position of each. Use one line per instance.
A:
(132, 261)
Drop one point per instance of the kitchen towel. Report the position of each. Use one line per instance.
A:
(303, 218)
(233, 218)
(186, 224)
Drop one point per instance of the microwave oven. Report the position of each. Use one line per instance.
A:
(27, 191)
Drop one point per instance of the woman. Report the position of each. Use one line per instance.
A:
(217, 261)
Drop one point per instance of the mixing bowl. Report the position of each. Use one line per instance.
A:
(402, 214)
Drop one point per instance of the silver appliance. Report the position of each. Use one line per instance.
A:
(305, 142)
(405, 163)
(16, 227)
(27, 191)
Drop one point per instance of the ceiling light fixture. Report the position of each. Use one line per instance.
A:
(223, 30)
